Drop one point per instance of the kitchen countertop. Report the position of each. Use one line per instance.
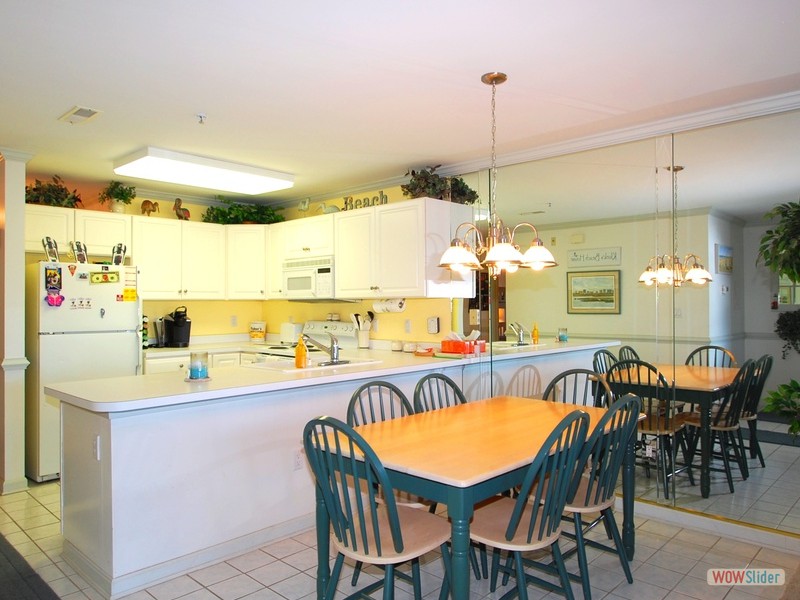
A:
(137, 392)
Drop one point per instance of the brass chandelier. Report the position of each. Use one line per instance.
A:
(498, 249)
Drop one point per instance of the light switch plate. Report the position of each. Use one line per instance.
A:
(433, 324)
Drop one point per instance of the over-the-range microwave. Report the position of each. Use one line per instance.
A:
(308, 278)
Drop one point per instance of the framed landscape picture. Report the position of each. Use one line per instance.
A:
(593, 293)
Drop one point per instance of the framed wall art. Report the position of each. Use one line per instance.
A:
(724, 258)
(593, 292)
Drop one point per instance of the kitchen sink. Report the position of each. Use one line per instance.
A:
(513, 345)
(287, 365)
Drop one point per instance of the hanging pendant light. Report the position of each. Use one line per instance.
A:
(498, 248)
(667, 269)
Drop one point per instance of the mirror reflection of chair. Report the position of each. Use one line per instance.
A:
(628, 353)
(644, 380)
(750, 411)
(486, 385)
(581, 387)
(603, 359)
(366, 524)
(596, 479)
(377, 401)
(533, 521)
(436, 390)
(725, 429)
(525, 383)
(711, 356)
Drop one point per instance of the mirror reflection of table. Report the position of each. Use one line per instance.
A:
(700, 385)
(461, 455)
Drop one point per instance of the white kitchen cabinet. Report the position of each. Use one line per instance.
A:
(179, 260)
(246, 258)
(276, 252)
(225, 359)
(166, 365)
(393, 251)
(101, 231)
(310, 236)
(49, 221)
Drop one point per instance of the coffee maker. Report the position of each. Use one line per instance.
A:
(177, 327)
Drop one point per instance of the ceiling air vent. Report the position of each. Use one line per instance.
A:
(78, 114)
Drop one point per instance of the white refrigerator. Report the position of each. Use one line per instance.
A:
(83, 321)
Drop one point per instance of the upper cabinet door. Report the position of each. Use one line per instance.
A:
(49, 221)
(246, 259)
(276, 252)
(157, 244)
(311, 236)
(400, 249)
(101, 231)
(203, 253)
(355, 265)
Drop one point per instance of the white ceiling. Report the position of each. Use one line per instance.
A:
(349, 95)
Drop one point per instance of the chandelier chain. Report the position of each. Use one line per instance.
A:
(493, 195)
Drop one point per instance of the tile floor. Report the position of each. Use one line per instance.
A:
(670, 562)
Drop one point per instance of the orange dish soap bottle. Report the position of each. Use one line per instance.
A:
(300, 354)
(535, 334)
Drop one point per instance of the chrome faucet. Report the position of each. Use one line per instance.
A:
(332, 350)
(520, 331)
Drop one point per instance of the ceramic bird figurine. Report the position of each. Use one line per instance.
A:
(328, 209)
(180, 212)
(303, 205)
(148, 207)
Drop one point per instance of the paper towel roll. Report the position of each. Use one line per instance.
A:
(389, 305)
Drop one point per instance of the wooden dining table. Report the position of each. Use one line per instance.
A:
(700, 385)
(461, 455)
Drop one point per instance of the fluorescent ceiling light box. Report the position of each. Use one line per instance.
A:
(198, 171)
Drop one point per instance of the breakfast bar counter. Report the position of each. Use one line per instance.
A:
(161, 476)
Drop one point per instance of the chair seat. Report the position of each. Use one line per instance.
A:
(693, 420)
(579, 504)
(491, 521)
(422, 532)
(660, 425)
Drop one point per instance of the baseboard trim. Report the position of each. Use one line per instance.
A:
(113, 588)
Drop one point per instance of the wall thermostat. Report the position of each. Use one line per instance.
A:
(433, 324)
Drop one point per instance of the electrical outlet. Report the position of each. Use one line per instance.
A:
(234, 321)
(298, 460)
(96, 448)
(408, 326)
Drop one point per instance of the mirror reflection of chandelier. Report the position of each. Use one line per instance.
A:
(498, 248)
(668, 269)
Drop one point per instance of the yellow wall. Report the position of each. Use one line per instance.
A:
(215, 317)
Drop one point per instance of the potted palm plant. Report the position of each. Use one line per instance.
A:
(117, 194)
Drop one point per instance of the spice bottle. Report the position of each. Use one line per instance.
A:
(535, 333)
(300, 354)
(774, 304)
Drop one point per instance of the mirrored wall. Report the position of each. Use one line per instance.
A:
(611, 210)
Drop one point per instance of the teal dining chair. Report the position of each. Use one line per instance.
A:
(582, 387)
(533, 520)
(711, 356)
(366, 523)
(662, 423)
(595, 486)
(628, 353)
(437, 390)
(725, 428)
(750, 412)
(603, 359)
(377, 401)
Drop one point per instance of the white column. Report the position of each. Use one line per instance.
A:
(12, 304)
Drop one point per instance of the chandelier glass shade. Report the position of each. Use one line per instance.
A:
(666, 269)
(498, 249)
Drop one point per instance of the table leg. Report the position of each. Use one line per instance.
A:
(628, 491)
(705, 449)
(323, 546)
(459, 509)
